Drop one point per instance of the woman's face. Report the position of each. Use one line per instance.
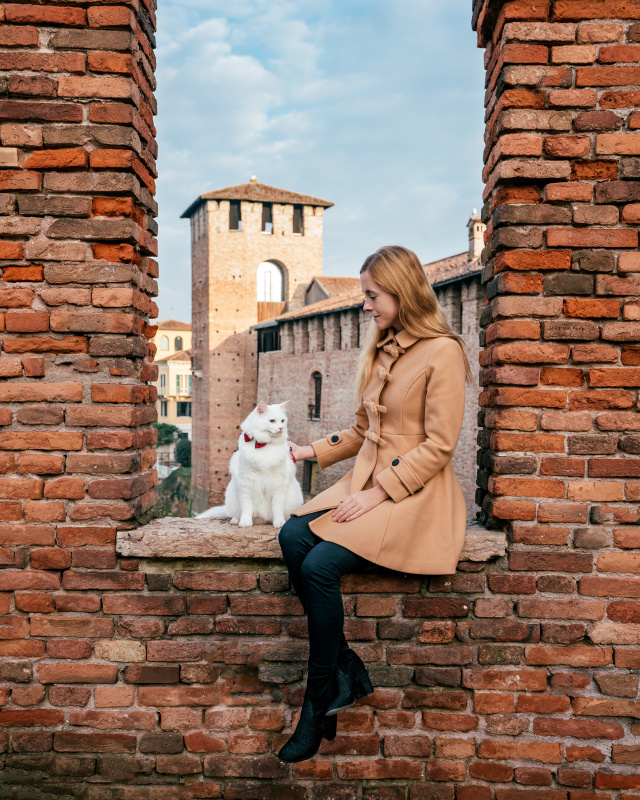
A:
(383, 306)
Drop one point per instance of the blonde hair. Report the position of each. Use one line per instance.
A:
(398, 271)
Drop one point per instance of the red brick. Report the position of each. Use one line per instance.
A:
(542, 704)
(169, 696)
(144, 604)
(577, 728)
(72, 742)
(68, 648)
(379, 769)
(215, 581)
(199, 742)
(69, 158)
(41, 717)
(101, 627)
(576, 655)
(486, 771)
(51, 558)
(493, 703)
(32, 741)
(509, 680)
(533, 776)
(576, 753)
(448, 722)
(536, 751)
(37, 15)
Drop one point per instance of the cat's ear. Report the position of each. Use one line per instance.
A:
(282, 405)
(261, 407)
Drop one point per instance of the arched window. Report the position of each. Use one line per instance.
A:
(164, 342)
(315, 395)
(270, 282)
(178, 343)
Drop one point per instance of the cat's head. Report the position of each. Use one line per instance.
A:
(267, 422)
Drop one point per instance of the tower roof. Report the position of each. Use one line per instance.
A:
(256, 192)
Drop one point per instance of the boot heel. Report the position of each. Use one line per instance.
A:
(329, 731)
(363, 687)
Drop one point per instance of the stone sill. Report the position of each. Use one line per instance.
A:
(184, 537)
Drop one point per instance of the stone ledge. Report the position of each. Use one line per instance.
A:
(184, 537)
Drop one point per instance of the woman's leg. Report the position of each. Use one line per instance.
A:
(321, 571)
(296, 541)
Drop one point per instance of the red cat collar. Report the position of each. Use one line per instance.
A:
(248, 438)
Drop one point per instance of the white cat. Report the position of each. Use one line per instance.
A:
(263, 476)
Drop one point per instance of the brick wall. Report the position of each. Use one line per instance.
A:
(150, 679)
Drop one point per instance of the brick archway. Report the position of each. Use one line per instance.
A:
(520, 673)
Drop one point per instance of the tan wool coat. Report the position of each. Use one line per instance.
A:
(406, 431)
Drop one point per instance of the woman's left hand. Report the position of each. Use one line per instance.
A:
(358, 503)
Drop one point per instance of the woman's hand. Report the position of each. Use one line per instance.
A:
(300, 453)
(356, 504)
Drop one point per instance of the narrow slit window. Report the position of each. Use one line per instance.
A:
(267, 218)
(298, 220)
(316, 396)
(235, 218)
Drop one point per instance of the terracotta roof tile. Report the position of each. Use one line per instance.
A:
(349, 299)
(173, 325)
(180, 355)
(257, 193)
(452, 267)
(333, 284)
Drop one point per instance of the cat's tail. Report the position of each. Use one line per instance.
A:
(215, 512)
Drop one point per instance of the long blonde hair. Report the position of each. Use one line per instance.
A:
(398, 271)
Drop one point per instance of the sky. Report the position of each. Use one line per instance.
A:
(374, 105)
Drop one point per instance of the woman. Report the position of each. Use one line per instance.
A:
(410, 389)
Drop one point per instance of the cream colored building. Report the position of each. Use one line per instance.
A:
(173, 357)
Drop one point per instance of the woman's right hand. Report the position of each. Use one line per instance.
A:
(301, 453)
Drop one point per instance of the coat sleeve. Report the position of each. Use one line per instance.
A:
(443, 414)
(339, 445)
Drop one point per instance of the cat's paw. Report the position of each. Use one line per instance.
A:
(235, 520)
(245, 522)
(278, 522)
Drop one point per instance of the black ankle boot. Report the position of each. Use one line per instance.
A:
(352, 682)
(313, 726)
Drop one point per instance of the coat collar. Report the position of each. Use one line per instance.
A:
(403, 338)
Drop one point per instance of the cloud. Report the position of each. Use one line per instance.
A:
(376, 106)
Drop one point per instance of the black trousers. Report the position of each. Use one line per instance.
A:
(315, 568)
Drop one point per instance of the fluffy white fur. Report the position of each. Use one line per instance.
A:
(263, 479)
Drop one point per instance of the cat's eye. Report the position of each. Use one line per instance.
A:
(272, 420)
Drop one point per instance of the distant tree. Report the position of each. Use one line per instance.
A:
(183, 452)
(165, 432)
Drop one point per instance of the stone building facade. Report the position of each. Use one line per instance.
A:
(309, 356)
(165, 662)
(173, 359)
(254, 249)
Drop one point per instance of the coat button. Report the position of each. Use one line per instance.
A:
(334, 438)
(395, 462)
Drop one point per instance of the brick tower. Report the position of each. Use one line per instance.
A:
(254, 249)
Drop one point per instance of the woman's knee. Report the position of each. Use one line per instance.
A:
(318, 565)
(289, 535)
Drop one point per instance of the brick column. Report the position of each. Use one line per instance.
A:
(561, 334)
(77, 179)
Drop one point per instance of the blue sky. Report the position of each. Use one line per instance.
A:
(375, 105)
